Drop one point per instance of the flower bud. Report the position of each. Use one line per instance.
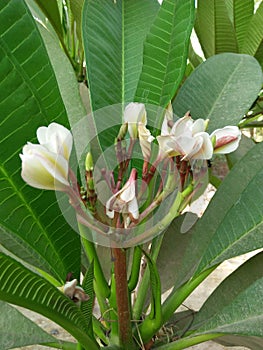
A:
(43, 169)
(227, 139)
(133, 114)
(89, 162)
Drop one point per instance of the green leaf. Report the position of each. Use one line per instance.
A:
(253, 38)
(76, 7)
(214, 28)
(221, 89)
(243, 12)
(113, 35)
(259, 54)
(31, 224)
(236, 306)
(194, 58)
(232, 223)
(16, 330)
(172, 251)
(22, 287)
(87, 307)
(254, 343)
(244, 146)
(51, 11)
(165, 52)
(65, 76)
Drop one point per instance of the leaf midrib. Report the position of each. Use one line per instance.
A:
(226, 83)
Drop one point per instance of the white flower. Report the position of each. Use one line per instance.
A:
(46, 165)
(188, 139)
(74, 292)
(145, 139)
(125, 201)
(44, 169)
(226, 139)
(134, 113)
(56, 138)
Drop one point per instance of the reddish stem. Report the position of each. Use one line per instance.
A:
(122, 297)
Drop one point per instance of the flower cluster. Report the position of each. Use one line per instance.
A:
(46, 165)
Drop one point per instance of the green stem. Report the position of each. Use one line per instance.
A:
(144, 285)
(177, 296)
(184, 343)
(153, 321)
(172, 214)
(122, 298)
(135, 270)
(90, 250)
(166, 220)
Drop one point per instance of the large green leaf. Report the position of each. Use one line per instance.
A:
(22, 287)
(16, 330)
(113, 35)
(243, 12)
(232, 223)
(165, 52)
(32, 226)
(222, 89)
(214, 28)
(254, 35)
(236, 306)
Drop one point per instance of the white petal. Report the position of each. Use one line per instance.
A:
(187, 145)
(44, 169)
(206, 150)
(133, 114)
(165, 146)
(109, 205)
(69, 288)
(227, 139)
(127, 193)
(145, 138)
(183, 126)
(133, 208)
(56, 138)
(165, 130)
(199, 125)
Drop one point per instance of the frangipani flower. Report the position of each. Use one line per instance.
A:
(226, 139)
(45, 166)
(125, 201)
(187, 138)
(73, 291)
(134, 113)
(44, 169)
(56, 138)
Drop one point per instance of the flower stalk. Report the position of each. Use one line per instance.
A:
(122, 298)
